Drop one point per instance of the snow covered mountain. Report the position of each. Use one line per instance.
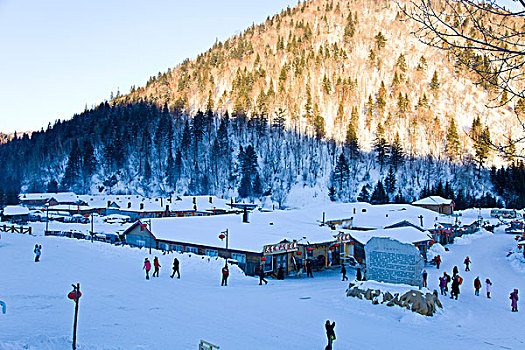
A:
(328, 99)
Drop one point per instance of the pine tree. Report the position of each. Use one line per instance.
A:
(452, 145)
(380, 41)
(341, 172)
(379, 195)
(364, 195)
(397, 155)
(434, 83)
(380, 145)
(73, 168)
(390, 181)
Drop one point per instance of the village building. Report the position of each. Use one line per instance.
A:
(40, 200)
(15, 214)
(352, 242)
(436, 203)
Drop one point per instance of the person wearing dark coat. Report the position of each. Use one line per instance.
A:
(477, 286)
(38, 252)
(454, 291)
(261, 276)
(309, 268)
(330, 333)
(514, 300)
(455, 271)
(156, 265)
(175, 268)
(358, 274)
(280, 273)
(343, 271)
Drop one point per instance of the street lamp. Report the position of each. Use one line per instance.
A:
(223, 235)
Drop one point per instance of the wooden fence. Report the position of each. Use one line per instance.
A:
(15, 229)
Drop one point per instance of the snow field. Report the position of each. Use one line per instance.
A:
(119, 309)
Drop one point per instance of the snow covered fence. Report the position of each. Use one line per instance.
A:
(414, 300)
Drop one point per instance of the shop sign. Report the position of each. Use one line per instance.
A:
(280, 248)
(344, 238)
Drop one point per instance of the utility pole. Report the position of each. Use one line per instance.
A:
(47, 217)
(92, 232)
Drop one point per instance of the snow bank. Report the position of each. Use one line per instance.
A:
(468, 238)
(517, 260)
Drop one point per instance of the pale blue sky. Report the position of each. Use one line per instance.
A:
(56, 56)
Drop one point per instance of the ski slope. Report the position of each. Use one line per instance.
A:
(119, 309)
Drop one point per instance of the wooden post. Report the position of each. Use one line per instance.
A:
(77, 290)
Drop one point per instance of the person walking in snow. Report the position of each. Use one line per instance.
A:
(514, 300)
(438, 261)
(455, 271)
(261, 276)
(343, 271)
(175, 268)
(38, 252)
(425, 275)
(358, 274)
(330, 333)
(454, 292)
(225, 274)
(488, 287)
(467, 263)
(156, 264)
(477, 286)
(147, 267)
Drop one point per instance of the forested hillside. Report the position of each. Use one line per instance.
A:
(331, 97)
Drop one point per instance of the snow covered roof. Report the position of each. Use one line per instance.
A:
(263, 229)
(12, 210)
(60, 197)
(403, 234)
(380, 216)
(433, 200)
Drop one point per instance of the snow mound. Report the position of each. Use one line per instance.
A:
(517, 260)
(467, 239)
(436, 249)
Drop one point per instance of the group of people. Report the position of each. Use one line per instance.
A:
(157, 266)
(457, 280)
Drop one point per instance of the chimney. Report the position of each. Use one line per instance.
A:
(167, 208)
(109, 203)
(141, 206)
(129, 205)
(161, 202)
(210, 199)
(194, 200)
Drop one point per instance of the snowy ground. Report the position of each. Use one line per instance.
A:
(121, 310)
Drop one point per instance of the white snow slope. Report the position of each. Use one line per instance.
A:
(119, 309)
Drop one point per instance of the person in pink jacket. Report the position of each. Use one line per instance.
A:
(147, 267)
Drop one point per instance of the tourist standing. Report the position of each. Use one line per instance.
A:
(330, 333)
(425, 275)
(38, 252)
(477, 286)
(514, 300)
(488, 287)
(225, 274)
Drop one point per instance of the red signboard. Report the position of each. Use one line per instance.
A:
(344, 238)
